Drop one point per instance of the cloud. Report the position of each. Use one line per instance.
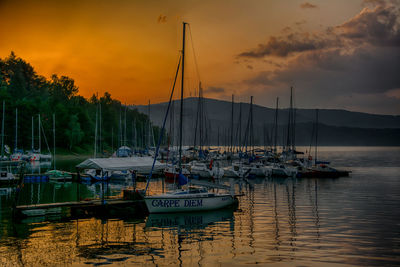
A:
(215, 90)
(324, 78)
(378, 26)
(289, 44)
(353, 65)
(301, 22)
(308, 5)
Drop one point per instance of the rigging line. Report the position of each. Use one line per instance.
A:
(194, 54)
(163, 127)
(45, 139)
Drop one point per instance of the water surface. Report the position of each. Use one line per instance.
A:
(286, 222)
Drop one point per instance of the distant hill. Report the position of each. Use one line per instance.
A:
(337, 127)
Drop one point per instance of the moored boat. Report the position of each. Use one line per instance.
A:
(190, 199)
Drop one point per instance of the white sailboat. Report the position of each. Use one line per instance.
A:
(18, 153)
(190, 198)
(37, 154)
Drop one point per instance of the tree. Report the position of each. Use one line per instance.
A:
(74, 132)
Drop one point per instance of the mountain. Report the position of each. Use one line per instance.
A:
(336, 127)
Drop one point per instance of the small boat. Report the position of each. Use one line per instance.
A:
(123, 152)
(57, 175)
(201, 170)
(322, 171)
(256, 169)
(17, 155)
(7, 177)
(235, 170)
(171, 173)
(280, 170)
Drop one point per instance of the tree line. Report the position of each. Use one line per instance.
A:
(22, 89)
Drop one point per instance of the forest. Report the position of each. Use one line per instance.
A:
(79, 122)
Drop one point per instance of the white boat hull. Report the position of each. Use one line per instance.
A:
(169, 204)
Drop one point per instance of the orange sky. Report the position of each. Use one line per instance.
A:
(123, 46)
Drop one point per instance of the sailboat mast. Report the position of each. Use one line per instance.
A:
(316, 135)
(251, 127)
(149, 126)
(125, 136)
(95, 136)
(100, 148)
(276, 125)
(181, 111)
(33, 139)
(232, 124)
(16, 129)
(40, 139)
(240, 127)
(2, 131)
(293, 126)
(54, 140)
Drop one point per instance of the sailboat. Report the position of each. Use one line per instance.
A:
(57, 175)
(37, 154)
(321, 169)
(18, 153)
(191, 198)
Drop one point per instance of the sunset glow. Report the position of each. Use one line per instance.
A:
(260, 48)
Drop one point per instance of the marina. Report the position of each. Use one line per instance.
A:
(296, 217)
(200, 133)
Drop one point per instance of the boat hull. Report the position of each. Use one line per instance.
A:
(169, 204)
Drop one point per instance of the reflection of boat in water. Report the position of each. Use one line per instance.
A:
(6, 191)
(188, 220)
(37, 166)
(57, 175)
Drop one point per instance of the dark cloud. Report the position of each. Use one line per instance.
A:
(215, 90)
(354, 65)
(289, 44)
(308, 5)
(325, 78)
(301, 22)
(378, 26)
(286, 30)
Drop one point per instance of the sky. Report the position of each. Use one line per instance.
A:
(336, 54)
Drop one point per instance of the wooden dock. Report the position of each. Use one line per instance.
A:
(80, 209)
(97, 202)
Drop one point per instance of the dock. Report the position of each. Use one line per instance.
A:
(83, 203)
(79, 209)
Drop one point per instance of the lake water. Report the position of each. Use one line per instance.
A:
(279, 222)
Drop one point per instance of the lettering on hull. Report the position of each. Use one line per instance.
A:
(175, 203)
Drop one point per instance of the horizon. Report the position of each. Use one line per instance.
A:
(255, 104)
(337, 55)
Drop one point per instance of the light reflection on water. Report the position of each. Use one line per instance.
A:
(351, 220)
